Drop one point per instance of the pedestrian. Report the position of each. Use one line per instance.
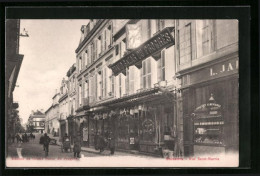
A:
(46, 141)
(77, 145)
(101, 143)
(66, 142)
(41, 141)
(111, 143)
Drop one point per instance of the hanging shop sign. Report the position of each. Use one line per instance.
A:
(155, 44)
(85, 134)
(133, 36)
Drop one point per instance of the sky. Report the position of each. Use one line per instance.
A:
(49, 52)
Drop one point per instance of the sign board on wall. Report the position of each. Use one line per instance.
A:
(133, 36)
(219, 70)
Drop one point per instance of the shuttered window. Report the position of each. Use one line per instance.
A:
(86, 89)
(146, 74)
(161, 67)
(104, 82)
(131, 80)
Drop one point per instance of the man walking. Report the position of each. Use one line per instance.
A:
(111, 143)
(46, 141)
(77, 145)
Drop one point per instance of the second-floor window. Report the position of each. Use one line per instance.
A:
(104, 82)
(161, 67)
(92, 53)
(185, 50)
(86, 57)
(99, 46)
(99, 85)
(122, 48)
(80, 94)
(120, 85)
(108, 37)
(80, 63)
(95, 50)
(146, 74)
(160, 24)
(131, 79)
(86, 94)
(204, 37)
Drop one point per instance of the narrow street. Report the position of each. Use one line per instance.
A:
(33, 149)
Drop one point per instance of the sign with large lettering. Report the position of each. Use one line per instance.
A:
(219, 70)
(162, 40)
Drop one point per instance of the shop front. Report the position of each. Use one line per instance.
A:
(143, 123)
(210, 108)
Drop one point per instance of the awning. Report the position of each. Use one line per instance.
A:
(81, 113)
(162, 39)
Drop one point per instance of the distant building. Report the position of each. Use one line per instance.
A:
(63, 108)
(36, 121)
(72, 80)
(52, 116)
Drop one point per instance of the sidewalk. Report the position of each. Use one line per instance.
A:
(106, 152)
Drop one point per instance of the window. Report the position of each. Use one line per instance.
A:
(99, 43)
(160, 24)
(108, 37)
(96, 84)
(104, 82)
(95, 50)
(161, 67)
(146, 74)
(80, 94)
(80, 63)
(92, 53)
(120, 85)
(185, 44)
(90, 83)
(204, 36)
(112, 78)
(86, 57)
(86, 89)
(122, 48)
(100, 84)
(117, 50)
(131, 79)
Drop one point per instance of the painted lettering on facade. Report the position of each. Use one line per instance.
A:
(227, 67)
(153, 45)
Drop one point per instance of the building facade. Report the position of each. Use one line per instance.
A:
(52, 125)
(36, 122)
(207, 65)
(63, 108)
(127, 84)
(72, 121)
(13, 61)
